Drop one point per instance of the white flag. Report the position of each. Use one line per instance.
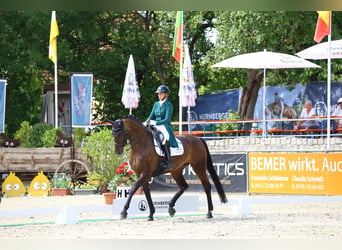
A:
(130, 94)
(187, 90)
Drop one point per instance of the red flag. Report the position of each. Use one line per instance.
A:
(178, 37)
(322, 26)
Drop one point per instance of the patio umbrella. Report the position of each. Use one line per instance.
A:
(326, 50)
(187, 91)
(321, 51)
(130, 94)
(265, 60)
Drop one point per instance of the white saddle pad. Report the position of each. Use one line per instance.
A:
(173, 151)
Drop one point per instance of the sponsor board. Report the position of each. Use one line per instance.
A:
(139, 206)
(295, 173)
(230, 168)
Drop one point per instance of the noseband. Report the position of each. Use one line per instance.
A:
(117, 130)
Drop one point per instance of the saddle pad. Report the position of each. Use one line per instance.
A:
(173, 151)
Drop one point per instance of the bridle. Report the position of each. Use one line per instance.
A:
(117, 131)
(121, 129)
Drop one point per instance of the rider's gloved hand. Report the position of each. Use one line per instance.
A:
(153, 122)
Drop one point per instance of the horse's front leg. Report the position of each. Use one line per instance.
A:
(134, 188)
(182, 187)
(147, 193)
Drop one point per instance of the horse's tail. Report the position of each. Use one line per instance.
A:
(214, 176)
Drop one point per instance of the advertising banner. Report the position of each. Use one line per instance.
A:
(295, 173)
(214, 106)
(285, 102)
(81, 94)
(231, 169)
(2, 105)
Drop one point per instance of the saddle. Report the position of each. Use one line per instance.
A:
(158, 138)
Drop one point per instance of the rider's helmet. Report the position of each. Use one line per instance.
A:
(339, 100)
(163, 89)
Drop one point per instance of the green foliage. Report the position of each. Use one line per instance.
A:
(61, 180)
(49, 137)
(230, 126)
(79, 136)
(111, 187)
(100, 147)
(23, 134)
(105, 51)
(37, 133)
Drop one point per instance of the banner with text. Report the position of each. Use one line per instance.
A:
(2, 105)
(81, 94)
(295, 173)
(214, 106)
(231, 169)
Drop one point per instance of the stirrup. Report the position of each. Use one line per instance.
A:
(166, 165)
(163, 166)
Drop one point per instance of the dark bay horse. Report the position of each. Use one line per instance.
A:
(144, 161)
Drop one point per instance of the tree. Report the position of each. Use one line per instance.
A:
(250, 31)
(21, 65)
(97, 42)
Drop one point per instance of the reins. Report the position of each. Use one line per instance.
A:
(124, 142)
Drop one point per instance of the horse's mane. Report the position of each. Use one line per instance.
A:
(135, 119)
(132, 117)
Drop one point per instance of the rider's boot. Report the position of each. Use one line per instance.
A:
(166, 163)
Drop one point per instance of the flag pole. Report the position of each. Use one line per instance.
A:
(329, 85)
(180, 84)
(56, 94)
(53, 57)
(180, 76)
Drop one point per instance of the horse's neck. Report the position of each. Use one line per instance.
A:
(138, 134)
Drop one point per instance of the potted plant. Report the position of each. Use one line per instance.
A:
(109, 192)
(125, 176)
(61, 184)
(94, 178)
(84, 188)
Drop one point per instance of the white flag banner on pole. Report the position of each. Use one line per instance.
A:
(130, 94)
(187, 90)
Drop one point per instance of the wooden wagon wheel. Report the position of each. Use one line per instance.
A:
(76, 169)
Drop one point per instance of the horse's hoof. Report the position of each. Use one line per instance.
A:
(209, 215)
(149, 218)
(172, 212)
(123, 216)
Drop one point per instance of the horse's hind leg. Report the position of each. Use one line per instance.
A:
(178, 177)
(202, 175)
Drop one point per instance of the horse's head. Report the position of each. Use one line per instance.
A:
(273, 109)
(120, 135)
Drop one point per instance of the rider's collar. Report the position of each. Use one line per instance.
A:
(161, 102)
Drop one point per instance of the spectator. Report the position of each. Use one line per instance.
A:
(307, 112)
(338, 112)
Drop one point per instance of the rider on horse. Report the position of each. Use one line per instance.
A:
(160, 117)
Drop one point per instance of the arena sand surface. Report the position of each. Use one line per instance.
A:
(302, 220)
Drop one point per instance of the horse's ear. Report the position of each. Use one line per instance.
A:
(112, 122)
